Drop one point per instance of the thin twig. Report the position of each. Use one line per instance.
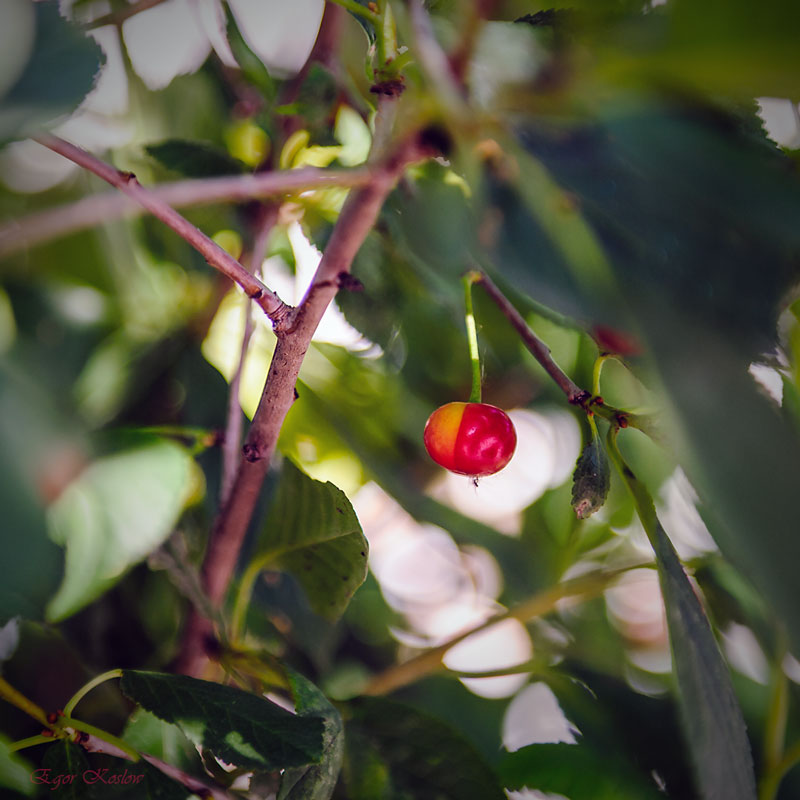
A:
(544, 602)
(118, 17)
(356, 219)
(44, 226)
(540, 351)
(232, 442)
(126, 182)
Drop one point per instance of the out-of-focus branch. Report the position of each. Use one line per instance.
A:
(232, 443)
(43, 226)
(357, 218)
(126, 182)
(118, 17)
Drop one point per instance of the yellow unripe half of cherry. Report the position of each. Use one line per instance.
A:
(475, 439)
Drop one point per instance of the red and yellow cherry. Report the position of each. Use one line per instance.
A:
(473, 439)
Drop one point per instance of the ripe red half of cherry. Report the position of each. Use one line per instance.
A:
(474, 439)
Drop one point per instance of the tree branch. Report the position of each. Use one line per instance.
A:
(357, 218)
(43, 226)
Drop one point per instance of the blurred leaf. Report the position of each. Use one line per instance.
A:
(118, 511)
(30, 571)
(61, 71)
(591, 479)
(15, 771)
(251, 65)
(715, 47)
(195, 159)
(427, 759)
(148, 734)
(712, 720)
(315, 782)
(312, 532)
(577, 771)
(239, 727)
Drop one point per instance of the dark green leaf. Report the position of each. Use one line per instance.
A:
(312, 531)
(119, 510)
(315, 782)
(591, 479)
(195, 159)
(712, 720)
(577, 771)
(28, 578)
(62, 69)
(238, 727)
(426, 758)
(70, 774)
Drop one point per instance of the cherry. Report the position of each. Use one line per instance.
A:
(473, 439)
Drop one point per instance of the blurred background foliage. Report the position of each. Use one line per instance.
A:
(620, 165)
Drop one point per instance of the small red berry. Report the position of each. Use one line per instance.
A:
(473, 439)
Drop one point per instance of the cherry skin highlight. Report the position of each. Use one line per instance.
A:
(473, 439)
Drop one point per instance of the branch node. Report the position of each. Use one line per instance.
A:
(252, 452)
(393, 87)
(349, 282)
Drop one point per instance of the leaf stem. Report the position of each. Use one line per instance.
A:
(775, 726)
(245, 593)
(768, 788)
(87, 687)
(472, 336)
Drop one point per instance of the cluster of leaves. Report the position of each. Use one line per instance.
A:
(606, 167)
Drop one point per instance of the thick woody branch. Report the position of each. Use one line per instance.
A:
(357, 218)
(126, 182)
(44, 226)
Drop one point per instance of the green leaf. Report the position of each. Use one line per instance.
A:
(427, 759)
(195, 159)
(577, 771)
(118, 511)
(62, 69)
(315, 782)
(312, 532)
(712, 720)
(591, 479)
(714, 47)
(238, 727)
(15, 771)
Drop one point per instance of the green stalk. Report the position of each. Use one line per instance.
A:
(87, 687)
(356, 8)
(109, 738)
(472, 337)
(21, 744)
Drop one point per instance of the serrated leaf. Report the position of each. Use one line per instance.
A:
(113, 515)
(591, 479)
(713, 725)
(62, 69)
(427, 759)
(312, 532)
(238, 727)
(195, 159)
(15, 771)
(577, 771)
(315, 782)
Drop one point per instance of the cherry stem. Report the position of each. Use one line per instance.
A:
(472, 337)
